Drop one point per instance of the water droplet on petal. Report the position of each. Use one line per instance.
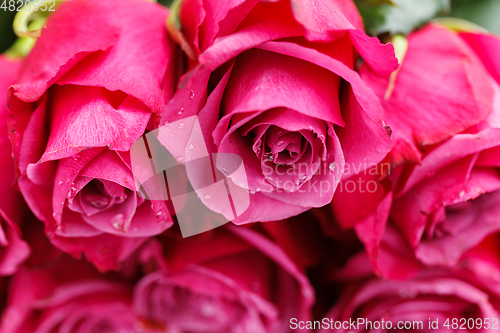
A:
(191, 147)
(332, 166)
(321, 137)
(180, 111)
(159, 213)
(60, 182)
(281, 143)
(76, 157)
(181, 125)
(179, 158)
(191, 94)
(252, 192)
(207, 196)
(279, 133)
(99, 203)
(118, 222)
(258, 189)
(208, 310)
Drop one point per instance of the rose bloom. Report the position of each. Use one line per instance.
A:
(97, 76)
(449, 202)
(13, 250)
(274, 83)
(225, 280)
(64, 295)
(466, 293)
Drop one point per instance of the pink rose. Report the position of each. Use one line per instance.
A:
(65, 295)
(385, 305)
(464, 293)
(13, 250)
(440, 89)
(447, 204)
(96, 79)
(274, 83)
(226, 280)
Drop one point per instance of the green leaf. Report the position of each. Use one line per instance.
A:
(482, 12)
(399, 16)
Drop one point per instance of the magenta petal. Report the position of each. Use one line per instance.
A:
(13, 250)
(319, 24)
(264, 208)
(264, 80)
(110, 167)
(454, 149)
(411, 211)
(469, 227)
(431, 101)
(64, 186)
(378, 56)
(64, 43)
(83, 118)
(365, 99)
(105, 251)
(487, 47)
(137, 62)
(75, 226)
(371, 230)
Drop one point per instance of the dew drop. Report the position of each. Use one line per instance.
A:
(180, 111)
(258, 189)
(181, 125)
(159, 213)
(118, 222)
(208, 310)
(60, 182)
(191, 147)
(191, 94)
(279, 133)
(99, 203)
(76, 157)
(207, 196)
(332, 166)
(281, 143)
(179, 158)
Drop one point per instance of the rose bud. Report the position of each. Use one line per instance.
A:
(274, 83)
(97, 76)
